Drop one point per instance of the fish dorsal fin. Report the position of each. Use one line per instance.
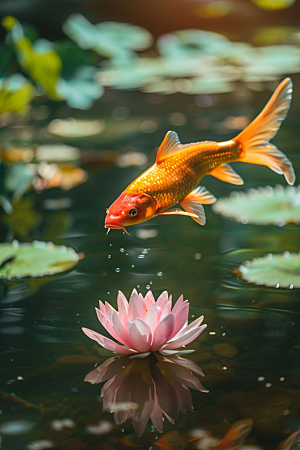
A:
(170, 144)
(226, 173)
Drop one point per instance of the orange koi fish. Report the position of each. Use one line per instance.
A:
(178, 168)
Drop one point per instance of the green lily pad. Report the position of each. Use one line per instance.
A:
(281, 270)
(36, 259)
(114, 40)
(262, 206)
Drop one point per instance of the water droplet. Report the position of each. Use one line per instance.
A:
(268, 385)
(132, 265)
(138, 286)
(110, 245)
(260, 378)
(281, 379)
(108, 292)
(223, 334)
(148, 286)
(159, 274)
(117, 269)
(141, 256)
(277, 285)
(122, 250)
(224, 368)
(291, 286)
(145, 251)
(109, 256)
(150, 282)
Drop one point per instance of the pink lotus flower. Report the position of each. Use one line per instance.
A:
(144, 325)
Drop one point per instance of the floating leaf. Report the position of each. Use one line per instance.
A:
(73, 128)
(16, 92)
(80, 91)
(57, 153)
(197, 61)
(110, 39)
(281, 270)
(192, 43)
(36, 259)
(262, 206)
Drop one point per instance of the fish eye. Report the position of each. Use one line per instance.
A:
(132, 212)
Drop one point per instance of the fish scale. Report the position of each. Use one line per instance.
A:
(174, 178)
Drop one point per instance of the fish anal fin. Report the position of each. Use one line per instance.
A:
(192, 203)
(226, 173)
(169, 145)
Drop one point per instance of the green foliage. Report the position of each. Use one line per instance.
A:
(36, 259)
(281, 270)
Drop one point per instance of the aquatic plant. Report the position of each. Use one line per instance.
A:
(262, 206)
(16, 92)
(35, 259)
(144, 325)
(279, 270)
(114, 40)
(151, 387)
(60, 70)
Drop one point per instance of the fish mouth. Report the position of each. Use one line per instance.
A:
(115, 227)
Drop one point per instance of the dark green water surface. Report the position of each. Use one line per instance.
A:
(40, 323)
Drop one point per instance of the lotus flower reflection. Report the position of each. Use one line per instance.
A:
(147, 388)
(144, 325)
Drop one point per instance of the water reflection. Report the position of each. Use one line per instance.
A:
(151, 387)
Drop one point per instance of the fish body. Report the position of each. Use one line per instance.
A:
(178, 168)
(174, 177)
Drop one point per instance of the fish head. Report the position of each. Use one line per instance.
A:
(130, 209)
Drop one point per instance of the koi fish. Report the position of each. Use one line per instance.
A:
(178, 168)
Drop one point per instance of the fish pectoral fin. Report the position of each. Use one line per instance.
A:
(203, 195)
(226, 173)
(176, 211)
(192, 203)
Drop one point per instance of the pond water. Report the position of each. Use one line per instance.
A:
(250, 351)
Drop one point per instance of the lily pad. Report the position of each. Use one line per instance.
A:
(81, 91)
(262, 206)
(280, 270)
(36, 259)
(114, 40)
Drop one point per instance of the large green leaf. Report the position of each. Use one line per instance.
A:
(262, 206)
(36, 259)
(281, 270)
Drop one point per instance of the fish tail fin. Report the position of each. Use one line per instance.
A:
(256, 136)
